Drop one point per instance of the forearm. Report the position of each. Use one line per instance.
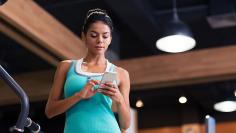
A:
(123, 114)
(54, 107)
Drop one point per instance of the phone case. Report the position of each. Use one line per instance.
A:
(109, 77)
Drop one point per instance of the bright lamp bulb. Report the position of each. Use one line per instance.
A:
(182, 99)
(139, 104)
(175, 43)
(225, 106)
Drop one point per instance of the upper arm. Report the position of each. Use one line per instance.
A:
(59, 80)
(124, 85)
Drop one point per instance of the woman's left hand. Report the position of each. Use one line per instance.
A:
(111, 90)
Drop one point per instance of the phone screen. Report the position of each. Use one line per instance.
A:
(109, 77)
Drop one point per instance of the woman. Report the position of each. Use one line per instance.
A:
(89, 108)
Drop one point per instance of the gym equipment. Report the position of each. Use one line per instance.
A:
(23, 119)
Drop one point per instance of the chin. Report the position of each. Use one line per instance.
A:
(100, 52)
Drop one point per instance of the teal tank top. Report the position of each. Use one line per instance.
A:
(93, 115)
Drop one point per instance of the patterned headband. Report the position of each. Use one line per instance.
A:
(97, 12)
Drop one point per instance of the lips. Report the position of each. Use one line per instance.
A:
(99, 47)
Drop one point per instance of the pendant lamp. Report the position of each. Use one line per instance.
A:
(177, 36)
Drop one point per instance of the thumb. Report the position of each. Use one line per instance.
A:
(95, 81)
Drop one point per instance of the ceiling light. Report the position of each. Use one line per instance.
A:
(139, 104)
(175, 43)
(182, 99)
(177, 36)
(225, 106)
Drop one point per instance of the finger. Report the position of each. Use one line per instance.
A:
(103, 86)
(94, 91)
(99, 90)
(110, 84)
(90, 82)
(112, 90)
(108, 91)
(95, 81)
(107, 88)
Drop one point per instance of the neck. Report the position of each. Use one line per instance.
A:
(95, 60)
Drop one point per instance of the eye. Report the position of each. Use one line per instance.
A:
(93, 35)
(106, 35)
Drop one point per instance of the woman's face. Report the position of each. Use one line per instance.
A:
(98, 38)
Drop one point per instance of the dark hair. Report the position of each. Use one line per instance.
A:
(94, 15)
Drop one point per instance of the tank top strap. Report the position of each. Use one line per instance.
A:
(72, 67)
(112, 67)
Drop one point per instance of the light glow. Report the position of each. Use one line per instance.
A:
(183, 99)
(175, 43)
(139, 104)
(225, 106)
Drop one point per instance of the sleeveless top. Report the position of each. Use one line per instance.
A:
(93, 115)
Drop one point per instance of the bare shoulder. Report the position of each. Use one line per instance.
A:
(64, 62)
(124, 84)
(122, 72)
(64, 65)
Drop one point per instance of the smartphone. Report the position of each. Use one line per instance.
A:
(109, 77)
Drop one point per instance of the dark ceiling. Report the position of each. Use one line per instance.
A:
(138, 24)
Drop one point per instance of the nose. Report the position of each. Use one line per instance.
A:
(100, 39)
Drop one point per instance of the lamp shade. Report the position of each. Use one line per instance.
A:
(176, 37)
(225, 106)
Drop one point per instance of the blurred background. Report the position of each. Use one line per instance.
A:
(171, 92)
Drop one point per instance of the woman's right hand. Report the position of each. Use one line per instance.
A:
(88, 90)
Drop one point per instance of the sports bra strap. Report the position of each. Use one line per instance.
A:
(112, 68)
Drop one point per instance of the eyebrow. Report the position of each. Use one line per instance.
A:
(102, 33)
